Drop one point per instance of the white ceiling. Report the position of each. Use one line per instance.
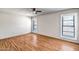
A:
(29, 12)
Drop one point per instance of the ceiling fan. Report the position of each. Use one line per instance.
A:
(35, 11)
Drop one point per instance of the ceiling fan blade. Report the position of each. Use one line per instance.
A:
(38, 11)
(33, 9)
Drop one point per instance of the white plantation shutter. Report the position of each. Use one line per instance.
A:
(68, 26)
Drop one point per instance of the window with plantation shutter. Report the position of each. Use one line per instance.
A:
(69, 26)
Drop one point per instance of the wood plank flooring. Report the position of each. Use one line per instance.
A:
(35, 42)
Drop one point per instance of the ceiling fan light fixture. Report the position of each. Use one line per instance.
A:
(34, 12)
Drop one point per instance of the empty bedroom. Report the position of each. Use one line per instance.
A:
(39, 29)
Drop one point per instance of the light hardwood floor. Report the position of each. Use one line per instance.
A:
(35, 42)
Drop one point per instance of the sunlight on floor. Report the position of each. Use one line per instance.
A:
(34, 40)
(66, 48)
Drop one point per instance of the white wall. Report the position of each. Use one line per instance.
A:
(49, 24)
(12, 25)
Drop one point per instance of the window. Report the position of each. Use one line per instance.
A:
(69, 26)
(34, 24)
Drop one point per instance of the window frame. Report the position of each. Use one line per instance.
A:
(75, 26)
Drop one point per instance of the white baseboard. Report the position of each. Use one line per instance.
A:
(8, 36)
(75, 41)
